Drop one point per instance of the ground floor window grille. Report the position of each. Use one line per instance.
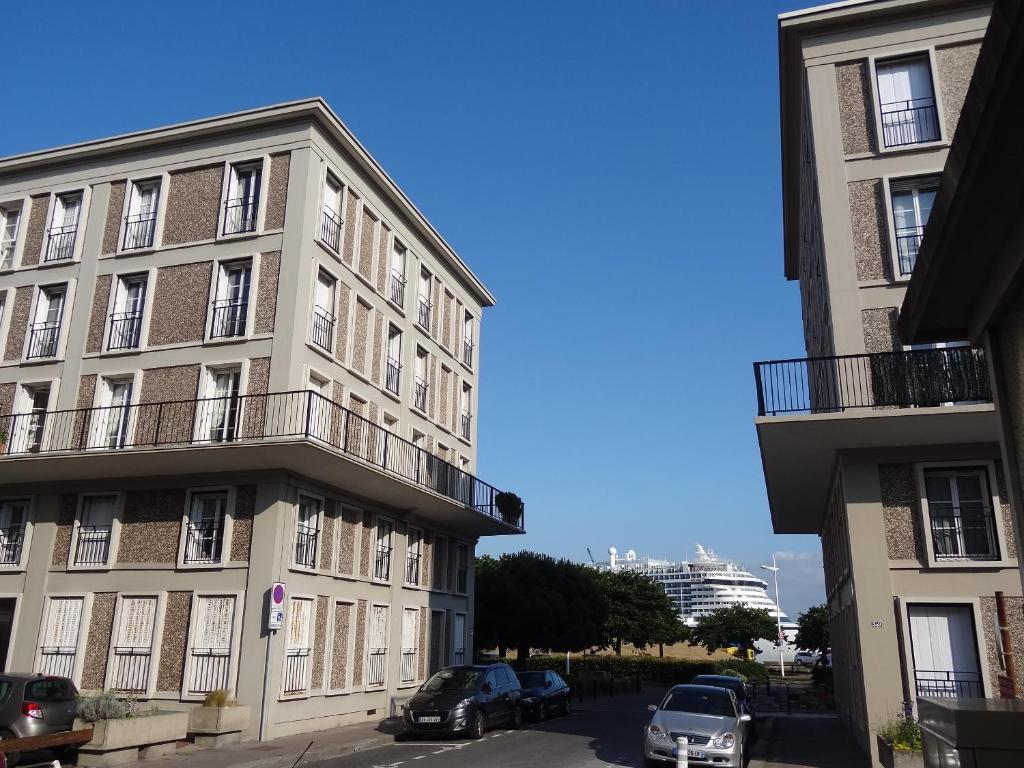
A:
(410, 643)
(378, 648)
(296, 657)
(133, 650)
(210, 655)
(60, 641)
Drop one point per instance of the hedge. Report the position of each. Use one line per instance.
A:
(654, 668)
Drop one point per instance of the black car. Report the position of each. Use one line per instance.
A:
(744, 696)
(545, 693)
(466, 699)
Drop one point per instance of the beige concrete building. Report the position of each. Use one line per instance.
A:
(234, 353)
(889, 453)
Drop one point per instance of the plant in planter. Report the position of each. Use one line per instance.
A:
(220, 720)
(899, 743)
(123, 731)
(510, 507)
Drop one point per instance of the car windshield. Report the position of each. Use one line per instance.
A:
(459, 679)
(5, 689)
(531, 679)
(699, 703)
(736, 686)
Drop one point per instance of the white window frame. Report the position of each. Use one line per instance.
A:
(6, 304)
(388, 327)
(425, 379)
(236, 639)
(207, 374)
(312, 641)
(398, 243)
(890, 215)
(327, 176)
(115, 530)
(263, 161)
(26, 536)
(988, 465)
(876, 106)
(18, 405)
(350, 651)
(102, 380)
(409, 530)
(158, 629)
(17, 598)
(62, 330)
(229, 517)
(421, 270)
(371, 604)
(377, 520)
(220, 266)
(83, 631)
(321, 515)
(333, 309)
(116, 278)
(163, 181)
(465, 407)
(468, 322)
(21, 206)
(416, 680)
(83, 216)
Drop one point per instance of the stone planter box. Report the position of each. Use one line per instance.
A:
(217, 726)
(890, 758)
(115, 742)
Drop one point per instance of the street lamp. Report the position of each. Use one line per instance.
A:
(778, 613)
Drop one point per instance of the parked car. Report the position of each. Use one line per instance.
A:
(545, 693)
(806, 658)
(711, 719)
(466, 700)
(35, 705)
(744, 697)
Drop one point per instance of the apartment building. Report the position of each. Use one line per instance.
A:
(888, 452)
(234, 353)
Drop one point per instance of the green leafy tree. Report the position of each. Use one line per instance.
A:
(812, 634)
(736, 625)
(639, 611)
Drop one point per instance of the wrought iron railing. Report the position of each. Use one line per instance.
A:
(301, 414)
(208, 669)
(61, 244)
(139, 230)
(423, 313)
(419, 394)
(131, 670)
(908, 243)
(963, 533)
(296, 662)
(467, 423)
(393, 375)
(322, 332)
(240, 215)
(42, 340)
(11, 540)
(375, 662)
(305, 545)
(382, 563)
(93, 545)
(330, 228)
(58, 661)
(397, 290)
(125, 330)
(945, 684)
(904, 379)
(913, 121)
(228, 318)
(412, 567)
(408, 670)
(204, 541)
(467, 352)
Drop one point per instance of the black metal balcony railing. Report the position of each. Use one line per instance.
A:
(125, 330)
(93, 545)
(139, 230)
(322, 332)
(412, 568)
(467, 422)
(61, 245)
(908, 243)
(419, 394)
(423, 313)
(263, 418)
(467, 352)
(914, 121)
(393, 375)
(203, 541)
(382, 563)
(42, 340)
(945, 684)
(240, 215)
(905, 379)
(305, 545)
(397, 292)
(375, 663)
(131, 669)
(228, 318)
(11, 540)
(963, 533)
(330, 228)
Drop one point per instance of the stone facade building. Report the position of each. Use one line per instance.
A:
(889, 453)
(233, 354)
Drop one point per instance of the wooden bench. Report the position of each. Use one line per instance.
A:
(47, 741)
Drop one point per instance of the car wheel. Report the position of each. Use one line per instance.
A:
(517, 718)
(479, 726)
(13, 758)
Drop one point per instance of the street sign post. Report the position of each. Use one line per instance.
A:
(275, 616)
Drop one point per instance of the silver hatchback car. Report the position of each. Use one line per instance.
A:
(711, 720)
(35, 705)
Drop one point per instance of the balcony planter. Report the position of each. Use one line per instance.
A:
(510, 507)
(217, 726)
(115, 742)
(895, 758)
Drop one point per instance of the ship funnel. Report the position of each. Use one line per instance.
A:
(630, 555)
(612, 552)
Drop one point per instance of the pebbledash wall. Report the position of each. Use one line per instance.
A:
(385, 594)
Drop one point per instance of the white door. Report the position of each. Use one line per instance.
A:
(30, 420)
(945, 651)
(110, 421)
(219, 410)
(320, 408)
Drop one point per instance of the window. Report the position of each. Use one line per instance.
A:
(231, 305)
(467, 340)
(10, 218)
(466, 406)
(419, 392)
(241, 209)
(413, 555)
(13, 519)
(439, 566)
(109, 427)
(962, 523)
(382, 558)
(63, 227)
(296, 654)
(204, 535)
(392, 377)
(140, 224)
(330, 219)
(377, 649)
(459, 639)
(397, 290)
(307, 531)
(323, 312)
(424, 306)
(95, 531)
(44, 332)
(321, 408)
(945, 651)
(126, 319)
(60, 636)
(217, 412)
(29, 425)
(410, 644)
(209, 657)
(461, 568)
(912, 201)
(133, 645)
(906, 101)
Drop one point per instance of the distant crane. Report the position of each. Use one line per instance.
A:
(591, 556)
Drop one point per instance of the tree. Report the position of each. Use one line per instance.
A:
(812, 634)
(639, 611)
(736, 625)
(529, 600)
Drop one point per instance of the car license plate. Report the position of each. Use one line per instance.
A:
(430, 719)
(695, 754)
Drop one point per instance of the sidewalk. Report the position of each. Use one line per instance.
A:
(805, 740)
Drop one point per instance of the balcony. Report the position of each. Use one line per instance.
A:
(330, 228)
(306, 537)
(11, 540)
(228, 318)
(139, 230)
(382, 563)
(322, 331)
(964, 533)
(908, 243)
(946, 684)
(240, 215)
(125, 331)
(397, 290)
(467, 423)
(61, 245)
(467, 352)
(419, 394)
(914, 121)
(300, 431)
(42, 340)
(412, 568)
(423, 313)
(392, 375)
(92, 547)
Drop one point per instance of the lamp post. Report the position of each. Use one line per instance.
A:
(778, 613)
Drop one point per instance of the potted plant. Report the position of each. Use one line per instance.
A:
(122, 732)
(219, 721)
(510, 507)
(899, 744)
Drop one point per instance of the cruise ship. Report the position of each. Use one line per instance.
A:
(702, 585)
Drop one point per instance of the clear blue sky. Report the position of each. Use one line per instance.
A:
(609, 169)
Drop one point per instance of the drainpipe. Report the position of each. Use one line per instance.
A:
(908, 707)
(1010, 690)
